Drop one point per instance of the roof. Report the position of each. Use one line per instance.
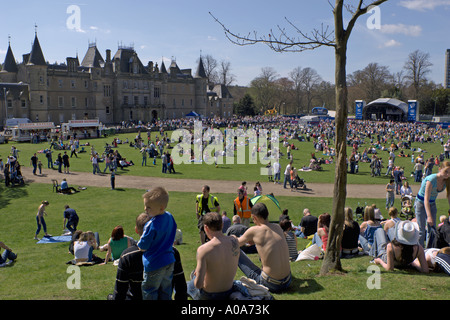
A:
(92, 58)
(10, 62)
(127, 58)
(36, 55)
(222, 91)
(200, 70)
(13, 90)
(391, 102)
(163, 68)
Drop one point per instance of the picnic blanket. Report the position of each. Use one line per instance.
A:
(55, 239)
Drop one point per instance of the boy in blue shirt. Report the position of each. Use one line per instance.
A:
(156, 242)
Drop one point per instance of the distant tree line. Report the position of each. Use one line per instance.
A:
(304, 89)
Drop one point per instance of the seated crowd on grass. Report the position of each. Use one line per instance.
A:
(152, 269)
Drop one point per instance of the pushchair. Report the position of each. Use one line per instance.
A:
(17, 179)
(359, 212)
(407, 204)
(298, 183)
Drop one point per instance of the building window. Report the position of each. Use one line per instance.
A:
(125, 85)
(145, 100)
(156, 92)
(10, 104)
(24, 103)
(41, 99)
(86, 84)
(107, 110)
(73, 102)
(60, 102)
(136, 100)
(125, 100)
(72, 84)
(60, 83)
(86, 102)
(107, 90)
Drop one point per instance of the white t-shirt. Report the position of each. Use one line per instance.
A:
(81, 249)
(288, 169)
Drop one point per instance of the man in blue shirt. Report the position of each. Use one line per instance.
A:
(72, 219)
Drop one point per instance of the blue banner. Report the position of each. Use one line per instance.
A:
(412, 110)
(359, 105)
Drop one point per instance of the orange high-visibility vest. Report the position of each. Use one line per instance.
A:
(243, 208)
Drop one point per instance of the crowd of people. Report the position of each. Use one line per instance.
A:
(151, 267)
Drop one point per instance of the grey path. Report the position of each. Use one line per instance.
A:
(366, 191)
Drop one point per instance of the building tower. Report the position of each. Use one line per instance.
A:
(447, 69)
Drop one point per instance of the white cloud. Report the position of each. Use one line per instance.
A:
(411, 30)
(422, 5)
(391, 43)
(211, 38)
(97, 29)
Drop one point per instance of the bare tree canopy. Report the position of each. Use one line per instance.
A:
(417, 67)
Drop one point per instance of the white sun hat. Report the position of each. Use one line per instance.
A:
(407, 232)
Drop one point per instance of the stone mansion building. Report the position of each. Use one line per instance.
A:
(113, 89)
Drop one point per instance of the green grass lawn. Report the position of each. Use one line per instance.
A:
(41, 271)
(225, 171)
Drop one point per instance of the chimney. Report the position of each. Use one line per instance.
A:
(108, 55)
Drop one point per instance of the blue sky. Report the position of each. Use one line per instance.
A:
(182, 29)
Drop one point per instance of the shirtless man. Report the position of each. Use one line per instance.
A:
(272, 249)
(217, 262)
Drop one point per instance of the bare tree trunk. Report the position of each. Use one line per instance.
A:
(331, 260)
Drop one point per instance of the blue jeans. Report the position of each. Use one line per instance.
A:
(200, 294)
(72, 225)
(157, 284)
(39, 225)
(7, 255)
(254, 272)
(421, 217)
(317, 240)
(390, 198)
(276, 177)
(380, 241)
(95, 168)
(287, 178)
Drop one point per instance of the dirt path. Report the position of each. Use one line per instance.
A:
(192, 185)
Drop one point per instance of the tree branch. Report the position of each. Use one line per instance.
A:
(359, 12)
(282, 42)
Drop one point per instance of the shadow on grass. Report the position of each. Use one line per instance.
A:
(304, 286)
(11, 192)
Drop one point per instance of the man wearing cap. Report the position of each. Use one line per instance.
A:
(403, 250)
